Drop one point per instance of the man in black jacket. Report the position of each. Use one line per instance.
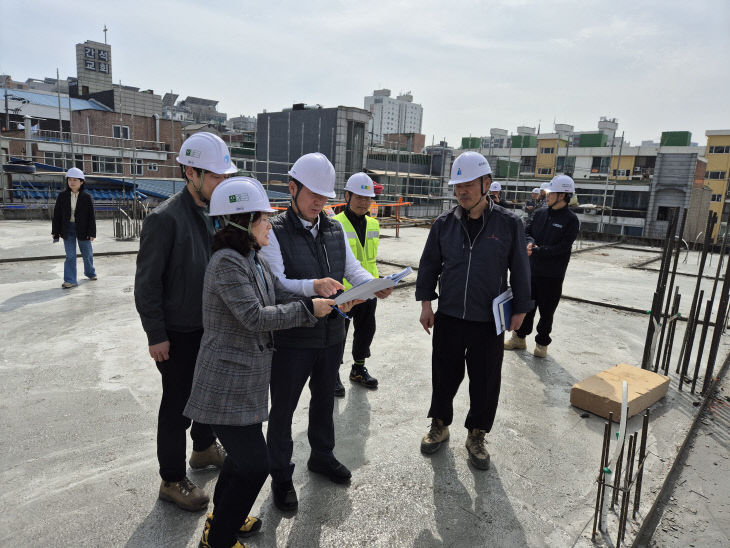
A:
(174, 249)
(550, 237)
(469, 252)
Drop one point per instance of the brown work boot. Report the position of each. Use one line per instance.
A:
(476, 446)
(540, 351)
(515, 343)
(213, 456)
(437, 435)
(185, 494)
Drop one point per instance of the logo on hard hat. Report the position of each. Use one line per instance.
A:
(192, 152)
(226, 158)
(365, 187)
(238, 198)
(458, 171)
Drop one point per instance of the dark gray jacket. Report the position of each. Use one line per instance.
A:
(470, 275)
(174, 250)
(240, 310)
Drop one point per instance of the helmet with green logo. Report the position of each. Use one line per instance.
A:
(206, 151)
(239, 195)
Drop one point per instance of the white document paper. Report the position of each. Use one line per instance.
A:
(506, 296)
(367, 290)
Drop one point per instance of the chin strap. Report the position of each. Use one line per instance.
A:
(483, 194)
(229, 222)
(199, 188)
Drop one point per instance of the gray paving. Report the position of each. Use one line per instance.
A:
(79, 402)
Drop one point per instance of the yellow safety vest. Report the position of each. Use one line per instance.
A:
(365, 255)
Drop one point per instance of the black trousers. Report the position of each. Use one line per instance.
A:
(454, 342)
(363, 320)
(240, 480)
(290, 369)
(177, 381)
(546, 293)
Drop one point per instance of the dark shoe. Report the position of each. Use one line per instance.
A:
(361, 375)
(93, 278)
(476, 446)
(339, 388)
(67, 285)
(185, 494)
(250, 526)
(334, 470)
(285, 496)
(213, 456)
(437, 435)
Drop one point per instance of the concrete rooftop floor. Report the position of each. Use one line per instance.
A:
(79, 399)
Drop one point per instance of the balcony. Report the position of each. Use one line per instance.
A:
(84, 139)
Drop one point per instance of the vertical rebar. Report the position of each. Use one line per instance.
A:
(701, 347)
(684, 355)
(642, 456)
(674, 318)
(599, 480)
(720, 318)
(691, 329)
(678, 246)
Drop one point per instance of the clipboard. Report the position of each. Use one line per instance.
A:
(367, 290)
(502, 311)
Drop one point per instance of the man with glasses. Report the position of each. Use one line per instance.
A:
(174, 249)
(309, 254)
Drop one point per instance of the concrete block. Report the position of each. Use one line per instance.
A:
(601, 393)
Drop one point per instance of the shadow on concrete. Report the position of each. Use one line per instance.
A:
(485, 520)
(167, 525)
(321, 502)
(33, 297)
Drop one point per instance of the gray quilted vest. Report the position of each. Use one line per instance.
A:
(308, 258)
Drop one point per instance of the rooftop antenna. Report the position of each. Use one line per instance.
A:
(105, 29)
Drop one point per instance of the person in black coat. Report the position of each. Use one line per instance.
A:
(550, 237)
(73, 219)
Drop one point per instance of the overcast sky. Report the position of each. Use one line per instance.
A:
(654, 65)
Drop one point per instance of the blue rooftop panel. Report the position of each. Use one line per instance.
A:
(51, 100)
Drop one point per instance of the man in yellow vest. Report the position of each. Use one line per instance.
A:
(363, 235)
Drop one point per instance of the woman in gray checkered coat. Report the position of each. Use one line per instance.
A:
(243, 303)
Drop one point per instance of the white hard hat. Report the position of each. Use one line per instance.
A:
(495, 187)
(536, 190)
(360, 184)
(469, 166)
(315, 172)
(561, 183)
(206, 151)
(76, 173)
(543, 186)
(239, 195)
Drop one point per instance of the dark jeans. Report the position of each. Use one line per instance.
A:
(363, 320)
(177, 380)
(546, 293)
(290, 369)
(239, 482)
(454, 341)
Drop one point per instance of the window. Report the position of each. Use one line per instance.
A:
(137, 167)
(663, 213)
(715, 175)
(547, 150)
(716, 198)
(106, 164)
(152, 167)
(121, 132)
(544, 171)
(56, 159)
(621, 172)
(720, 150)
